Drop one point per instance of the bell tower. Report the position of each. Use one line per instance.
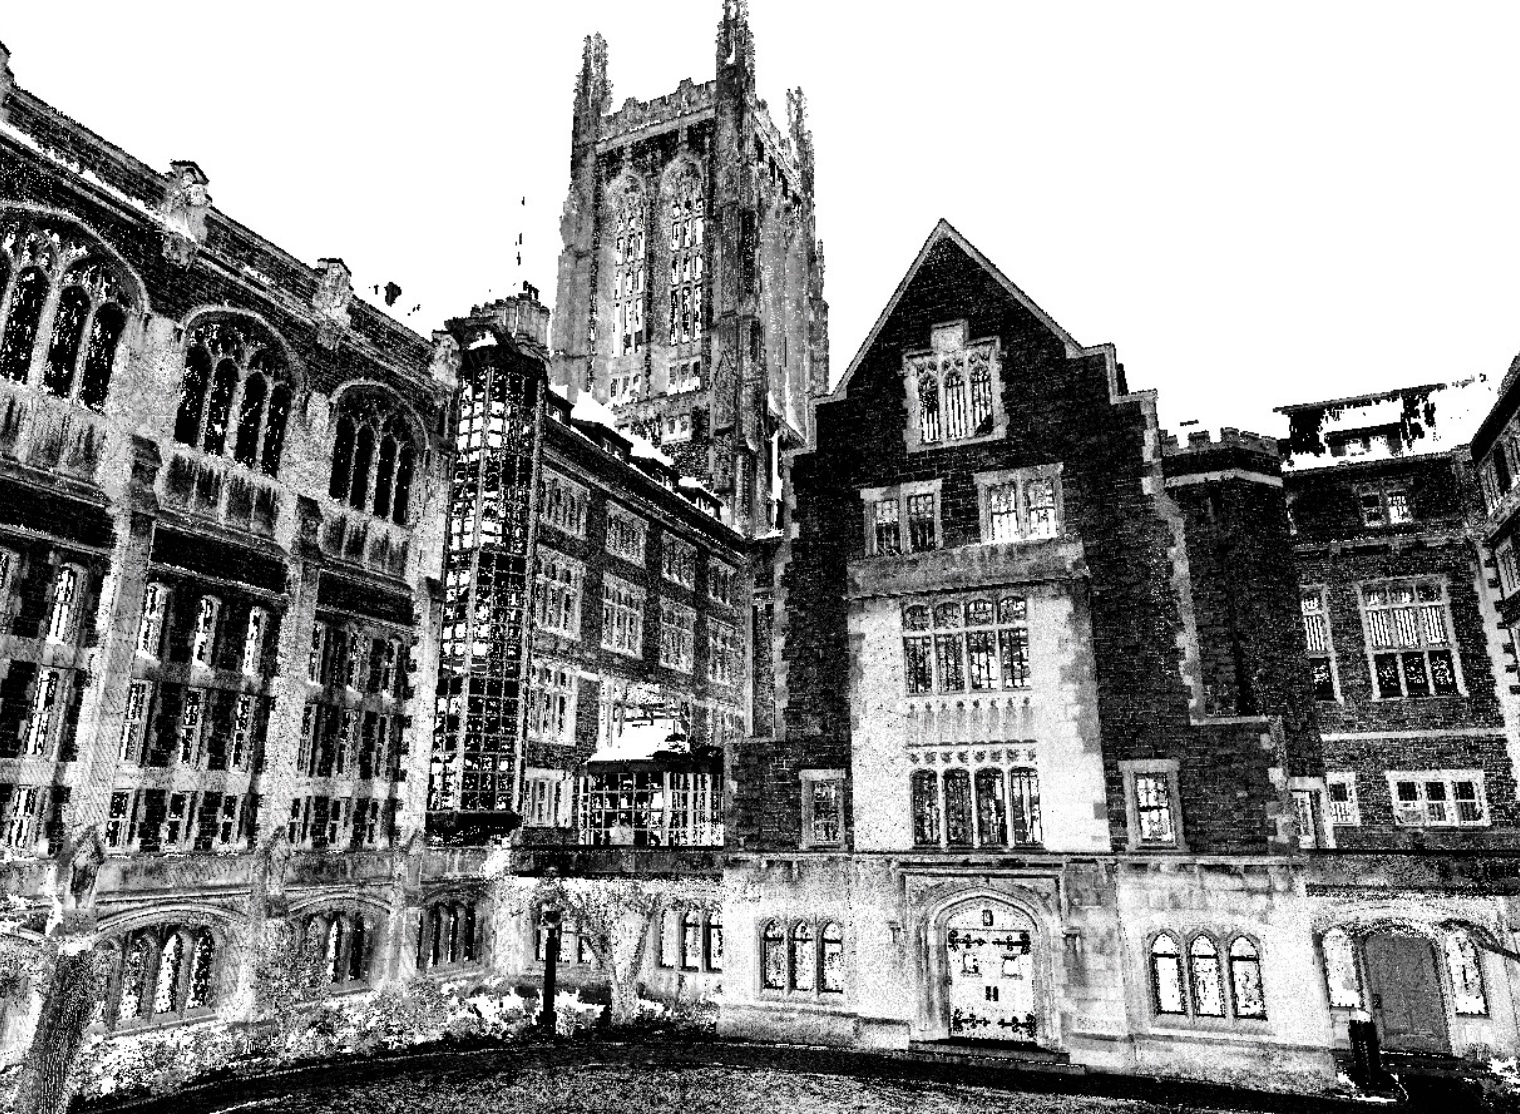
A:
(690, 293)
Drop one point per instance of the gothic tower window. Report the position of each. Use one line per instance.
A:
(63, 309)
(687, 226)
(629, 267)
(235, 395)
(373, 457)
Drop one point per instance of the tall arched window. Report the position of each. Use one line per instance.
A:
(804, 961)
(715, 940)
(629, 266)
(773, 957)
(234, 395)
(134, 979)
(925, 808)
(687, 219)
(63, 309)
(372, 456)
(1245, 979)
(691, 940)
(958, 808)
(957, 404)
(162, 972)
(981, 393)
(1203, 967)
(1166, 975)
(832, 966)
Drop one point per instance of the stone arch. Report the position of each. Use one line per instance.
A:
(294, 366)
(131, 277)
(408, 413)
(949, 900)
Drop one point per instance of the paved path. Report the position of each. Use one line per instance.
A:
(701, 1078)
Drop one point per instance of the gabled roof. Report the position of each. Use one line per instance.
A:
(944, 230)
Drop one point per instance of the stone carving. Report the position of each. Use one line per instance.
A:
(269, 879)
(446, 358)
(331, 300)
(85, 854)
(184, 209)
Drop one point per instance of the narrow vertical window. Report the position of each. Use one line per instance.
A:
(68, 333)
(105, 333)
(925, 803)
(1153, 809)
(922, 532)
(991, 820)
(134, 722)
(773, 957)
(150, 627)
(253, 641)
(1245, 979)
(1166, 975)
(207, 614)
(1468, 997)
(831, 974)
(251, 413)
(64, 604)
(715, 941)
(958, 808)
(1003, 512)
(884, 517)
(928, 408)
(218, 407)
(1024, 806)
(28, 296)
(957, 405)
(1040, 500)
(804, 959)
(1203, 964)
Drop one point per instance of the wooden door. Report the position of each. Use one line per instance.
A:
(1405, 994)
(991, 974)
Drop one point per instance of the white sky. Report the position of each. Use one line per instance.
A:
(1257, 204)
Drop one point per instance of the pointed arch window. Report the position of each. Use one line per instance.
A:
(1245, 979)
(1342, 975)
(1166, 975)
(1203, 971)
(804, 972)
(630, 265)
(234, 394)
(954, 389)
(372, 457)
(63, 310)
(687, 219)
(773, 957)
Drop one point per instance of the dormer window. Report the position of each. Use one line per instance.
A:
(954, 390)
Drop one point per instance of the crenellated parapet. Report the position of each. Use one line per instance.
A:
(689, 99)
(1234, 453)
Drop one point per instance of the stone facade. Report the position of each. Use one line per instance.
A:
(223, 483)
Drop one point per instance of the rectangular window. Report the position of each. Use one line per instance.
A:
(1509, 569)
(921, 523)
(551, 703)
(622, 617)
(64, 613)
(47, 697)
(1151, 794)
(1316, 621)
(823, 808)
(720, 583)
(979, 644)
(1408, 639)
(118, 819)
(315, 660)
(207, 616)
(150, 627)
(678, 561)
(1438, 798)
(191, 725)
(176, 824)
(1385, 504)
(134, 722)
(253, 641)
(557, 608)
(723, 652)
(21, 821)
(1021, 505)
(1340, 791)
(227, 822)
(625, 535)
(884, 517)
(677, 634)
(562, 504)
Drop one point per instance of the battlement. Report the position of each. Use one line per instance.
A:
(1202, 441)
(635, 115)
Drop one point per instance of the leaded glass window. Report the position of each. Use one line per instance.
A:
(1203, 967)
(1245, 979)
(1166, 975)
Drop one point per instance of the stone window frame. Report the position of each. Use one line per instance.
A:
(630, 599)
(633, 554)
(547, 794)
(1352, 809)
(721, 572)
(678, 561)
(724, 643)
(1508, 567)
(809, 779)
(1451, 645)
(1383, 514)
(1223, 943)
(564, 682)
(671, 945)
(466, 921)
(1018, 783)
(574, 501)
(678, 636)
(553, 566)
(817, 929)
(1450, 779)
(986, 481)
(940, 341)
(900, 493)
(1305, 592)
(1132, 770)
(255, 356)
(199, 948)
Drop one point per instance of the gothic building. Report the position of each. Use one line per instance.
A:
(222, 483)
(690, 294)
(587, 575)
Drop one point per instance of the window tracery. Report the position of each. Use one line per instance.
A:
(374, 458)
(63, 310)
(687, 215)
(953, 389)
(235, 395)
(160, 973)
(629, 267)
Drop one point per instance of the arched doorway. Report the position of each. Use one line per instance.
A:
(1404, 993)
(990, 973)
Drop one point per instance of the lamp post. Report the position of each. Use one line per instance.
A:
(550, 916)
